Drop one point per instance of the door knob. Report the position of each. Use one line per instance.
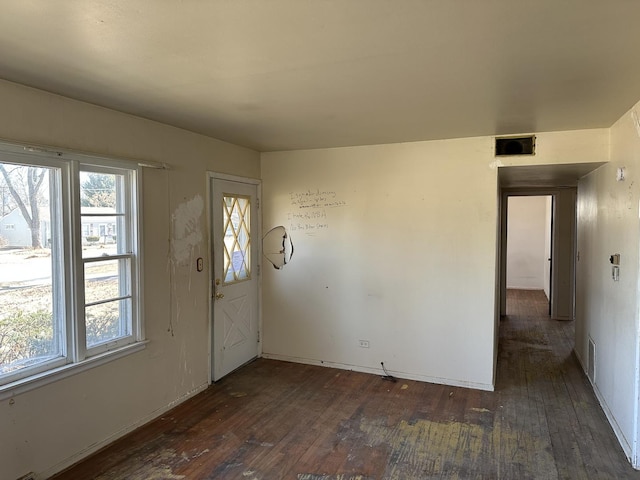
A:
(219, 295)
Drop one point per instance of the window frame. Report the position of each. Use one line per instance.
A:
(68, 265)
(129, 238)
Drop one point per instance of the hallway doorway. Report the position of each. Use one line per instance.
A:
(562, 248)
(529, 225)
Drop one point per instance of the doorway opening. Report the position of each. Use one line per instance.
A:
(562, 248)
(537, 232)
(529, 224)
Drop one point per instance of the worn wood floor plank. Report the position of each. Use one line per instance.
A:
(276, 420)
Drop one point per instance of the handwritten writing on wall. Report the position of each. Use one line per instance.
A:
(309, 210)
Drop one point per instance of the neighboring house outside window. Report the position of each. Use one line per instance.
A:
(65, 300)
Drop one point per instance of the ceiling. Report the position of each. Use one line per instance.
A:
(297, 74)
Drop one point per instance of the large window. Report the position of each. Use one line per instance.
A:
(69, 261)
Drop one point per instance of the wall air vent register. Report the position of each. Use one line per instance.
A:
(506, 146)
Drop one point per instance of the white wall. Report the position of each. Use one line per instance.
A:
(526, 228)
(403, 255)
(46, 429)
(607, 311)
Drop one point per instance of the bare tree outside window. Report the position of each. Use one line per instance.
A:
(29, 330)
(25, 185)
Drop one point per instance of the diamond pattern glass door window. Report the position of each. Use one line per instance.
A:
(237, 238)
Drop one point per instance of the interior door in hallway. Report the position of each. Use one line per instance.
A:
(563, 247)
(235, 275)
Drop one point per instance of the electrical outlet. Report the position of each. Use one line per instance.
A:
(364, 343)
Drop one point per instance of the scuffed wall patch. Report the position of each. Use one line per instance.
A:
(496, 164)
(186, 230)
(636, 121)
(185, 241)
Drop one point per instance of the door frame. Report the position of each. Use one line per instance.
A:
(211, 176)
(505, 193)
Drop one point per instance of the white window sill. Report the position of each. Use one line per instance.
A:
(44, 378)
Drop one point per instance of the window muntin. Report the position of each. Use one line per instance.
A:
(84, 298)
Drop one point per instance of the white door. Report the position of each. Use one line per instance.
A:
(235, 275)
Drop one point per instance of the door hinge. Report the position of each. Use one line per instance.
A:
(258, 203)
(258, 336)
(258, 269)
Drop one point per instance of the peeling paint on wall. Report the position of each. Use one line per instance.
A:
(277, 247)
(186, 231)
(636, 121)
(186, 239)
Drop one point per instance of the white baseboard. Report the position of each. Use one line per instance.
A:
(378, 371)
(75, 458)
(626, 446)
(622, 440)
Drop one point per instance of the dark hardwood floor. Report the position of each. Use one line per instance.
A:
(277, 420)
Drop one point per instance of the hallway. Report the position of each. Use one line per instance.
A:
(277, 420)
(546, 394)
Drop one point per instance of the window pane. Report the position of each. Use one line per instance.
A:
(103, 214)
(106, 280)
(108, 321)
(31, 327)
(100, 235)
(107, 318)
(99, 193)
(237, 238)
